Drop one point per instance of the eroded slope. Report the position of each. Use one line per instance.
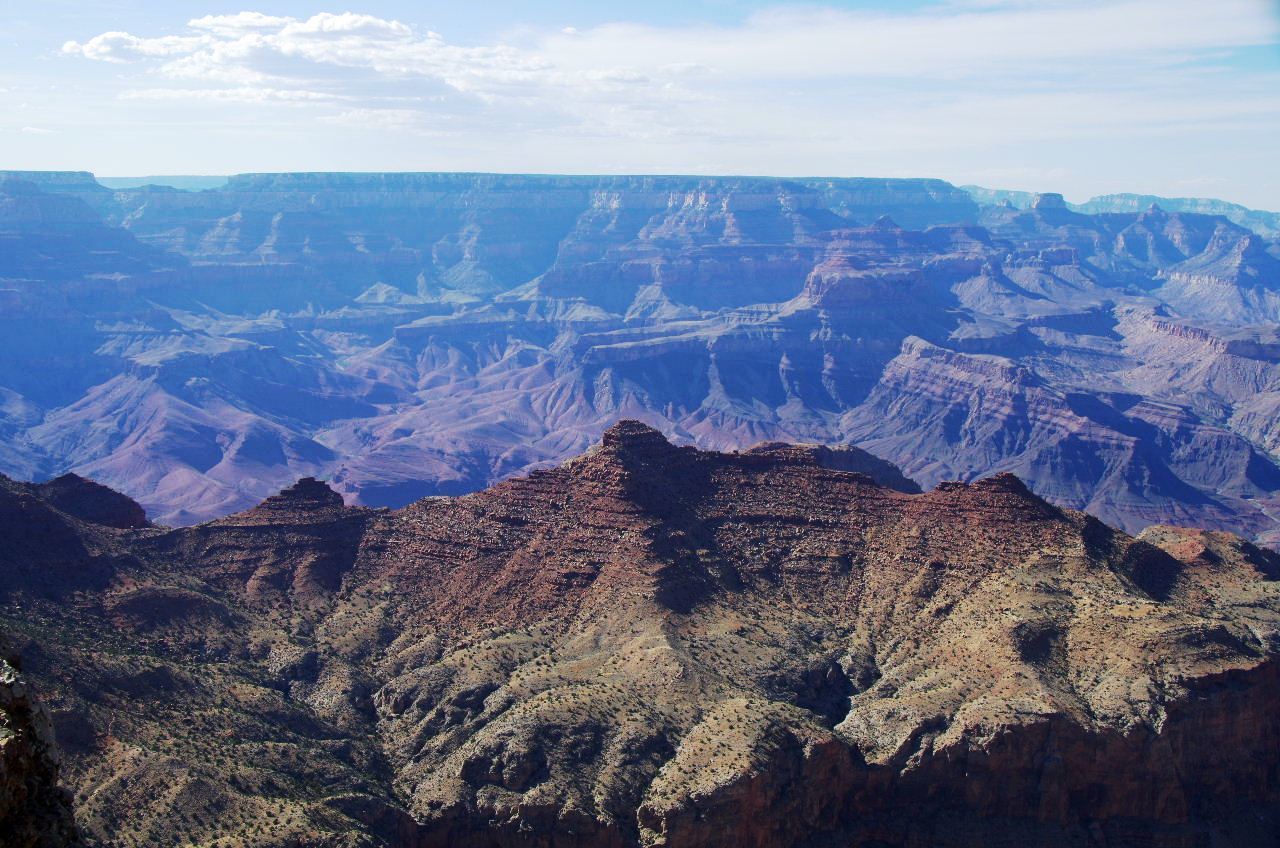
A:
(660, 646)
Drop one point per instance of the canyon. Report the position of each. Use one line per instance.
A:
(646, 645)
(410, 335)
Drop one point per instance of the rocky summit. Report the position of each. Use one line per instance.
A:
(648, 645)
(411, 335)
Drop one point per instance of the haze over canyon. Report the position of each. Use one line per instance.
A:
(404, 335)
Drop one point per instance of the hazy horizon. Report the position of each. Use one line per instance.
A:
(1174, 99)
(197, 182)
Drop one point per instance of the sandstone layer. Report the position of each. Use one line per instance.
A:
(654, 645)
(406, 335)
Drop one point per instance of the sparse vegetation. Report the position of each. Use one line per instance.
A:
(654, 695)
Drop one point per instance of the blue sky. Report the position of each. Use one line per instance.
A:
(1174, 97)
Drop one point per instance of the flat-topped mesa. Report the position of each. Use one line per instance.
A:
(636, 463)
(307, 501)
(1005, 481)
(1003, 498)
(293, 548)
(1049, 200)
(308, 492)
(632, 435)
(635, 446)
(648, 458)
(56, 180)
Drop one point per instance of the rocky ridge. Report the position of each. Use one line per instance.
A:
(406, 335)
(656, 645)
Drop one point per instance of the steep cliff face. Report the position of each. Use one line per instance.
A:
(35, 812)
(655, 645)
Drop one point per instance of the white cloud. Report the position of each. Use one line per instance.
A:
(123, 47)
(35, 131)
(963, 73)
(970, 39)
(242, 94)
(238, 24)
(813, 43)
(348, 24)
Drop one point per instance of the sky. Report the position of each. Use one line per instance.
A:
(1085, 97)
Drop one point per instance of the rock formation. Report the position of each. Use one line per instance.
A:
(405, 335)
(35, 812)
(656, 645)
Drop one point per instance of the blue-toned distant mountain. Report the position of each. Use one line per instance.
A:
(412, 334)
(1259, 220)
(186, 182)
